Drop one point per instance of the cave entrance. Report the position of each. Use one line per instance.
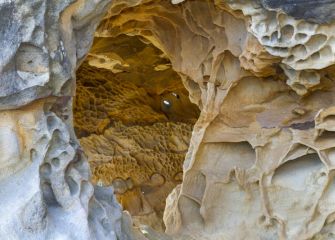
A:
(134, 120)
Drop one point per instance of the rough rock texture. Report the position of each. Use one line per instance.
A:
(260, 164)
(135, 120)
(126, 80)
(319, 11)
(261, 160)
(143, 163)
(45, 179)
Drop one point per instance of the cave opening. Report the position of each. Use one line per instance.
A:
(134, 119)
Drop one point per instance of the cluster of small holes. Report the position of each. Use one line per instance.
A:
(159, 148)
(302, 81)
(301, 44)
(103, 98)
(60, 160)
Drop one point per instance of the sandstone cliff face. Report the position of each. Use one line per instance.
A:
(261, 156)
(260, 160)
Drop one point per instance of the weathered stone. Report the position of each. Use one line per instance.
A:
(260, 164)
(319, 11)
(134, 120)
(45, 180)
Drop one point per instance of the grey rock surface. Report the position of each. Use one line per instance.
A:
(318, 11)
(45, 184)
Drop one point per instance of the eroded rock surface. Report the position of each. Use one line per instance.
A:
(319, 11)
(135, 120)
(260, 161)
(45, 185)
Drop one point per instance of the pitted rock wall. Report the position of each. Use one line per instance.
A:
(134, 120)
(45, 185)
(260, 160)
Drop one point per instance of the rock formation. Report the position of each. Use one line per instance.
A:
(45, 180)
(134, 119)
(260, 161)
(261, 156)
